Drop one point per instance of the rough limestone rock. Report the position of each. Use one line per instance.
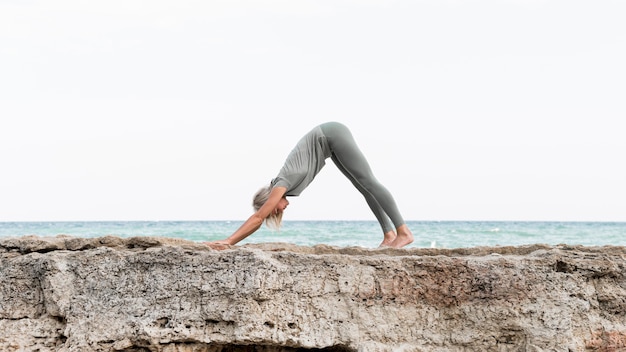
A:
(149, 294)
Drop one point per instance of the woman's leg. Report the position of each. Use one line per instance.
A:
(352, 163)
(388, 231)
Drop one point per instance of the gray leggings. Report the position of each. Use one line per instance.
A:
(352, 163)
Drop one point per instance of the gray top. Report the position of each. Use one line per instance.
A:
(303, 163)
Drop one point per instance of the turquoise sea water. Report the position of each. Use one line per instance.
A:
(440, 234)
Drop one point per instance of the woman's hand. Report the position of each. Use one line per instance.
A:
(219, 245)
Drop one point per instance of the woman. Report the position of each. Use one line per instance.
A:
(332, 140)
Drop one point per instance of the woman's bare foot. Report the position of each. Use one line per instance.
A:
(403, 238)
(388, 239)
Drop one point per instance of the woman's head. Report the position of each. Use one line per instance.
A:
(274, 220)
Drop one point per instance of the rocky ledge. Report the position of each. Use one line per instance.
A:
(156, 294)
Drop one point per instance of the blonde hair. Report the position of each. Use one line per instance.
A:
(274, 220)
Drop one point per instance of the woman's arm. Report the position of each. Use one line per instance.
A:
(254, 222)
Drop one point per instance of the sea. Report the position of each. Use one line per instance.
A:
(428, 234)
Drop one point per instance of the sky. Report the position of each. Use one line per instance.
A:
(181, 110)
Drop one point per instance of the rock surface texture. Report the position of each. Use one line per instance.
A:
(150, 294)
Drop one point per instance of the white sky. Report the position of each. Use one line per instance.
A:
(181, 110)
